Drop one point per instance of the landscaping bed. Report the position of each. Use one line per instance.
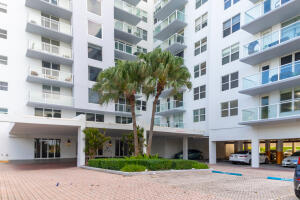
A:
(139, 165)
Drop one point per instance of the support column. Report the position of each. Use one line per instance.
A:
(246, 146)
(293, 147)
(212, 152)
(279, 152)
(80, 147)
(239, 146)
(185, 148)
(255, 153)
(268, 149)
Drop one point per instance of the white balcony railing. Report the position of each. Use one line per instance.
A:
(127, 108)
(126, 48)
(174, 39)
(133, 30)
(272, 75)
(176, 15)
(169, 106)
(171, 124)
(272, 39)
(262, 9)
(51, 74)
(51, 99)
(66, 4)
(51, 24)
(60, 51)
(128, 8)
(274, 111)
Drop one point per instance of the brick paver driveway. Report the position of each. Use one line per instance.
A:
(41, 182)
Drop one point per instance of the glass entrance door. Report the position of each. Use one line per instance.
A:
(46, 148)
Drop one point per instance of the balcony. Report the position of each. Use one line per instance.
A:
(49, 28)
(174, 44)
(172, 24)
(269, 13)
(283, 111)
(58, 8)
(170, 108)
(168, 92)
(171, 125)
(127, 12)
(50, 76)
(127, 32)
(165, 7)
(133, 2)
(51, 53)
(272, 45)
(279, 78)
(125, 51)
(125, 110)
(40, 99)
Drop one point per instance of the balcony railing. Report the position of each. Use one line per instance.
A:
(51, 99)
(66, 4)
(174, 39)
(50, 24)
(169, 106)
(176, 15)
(50, 49)
(272, 39)
(272, 75)
(126, 108)
(51, 74)
(262, 9)
(122, 26)
(275, 111)
(128, 8)
(160, 4)
(126, 48)
(171, 124)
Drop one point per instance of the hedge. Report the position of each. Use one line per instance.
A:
(150, 164)
(133, 168)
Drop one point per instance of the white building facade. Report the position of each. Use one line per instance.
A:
(243, 57)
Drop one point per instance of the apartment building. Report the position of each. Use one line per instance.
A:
(243, 57)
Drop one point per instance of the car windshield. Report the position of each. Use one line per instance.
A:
(296, 153)
(242, 152)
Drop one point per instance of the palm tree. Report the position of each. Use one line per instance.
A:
(164, 70)
(123, 80)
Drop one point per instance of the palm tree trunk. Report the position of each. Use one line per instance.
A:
(149, 143)
(135, 135)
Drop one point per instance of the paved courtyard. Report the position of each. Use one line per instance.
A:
(51, 181)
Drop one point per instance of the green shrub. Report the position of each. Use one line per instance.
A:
(154, 164)
(133, 168)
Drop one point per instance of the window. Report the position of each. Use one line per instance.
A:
(144, 34)
(227, 3)
(3, 33)
(93, 96)
(94, 6)
(200, 3)
(141, 105)
(3, 86)
(3, 110)
(232, 25)
(230, 54)
(3, 7)
(95, 52)
(95, 29)
(199, 115)
(201, 22)
(200, 92)
(51, 89)
(43, 112)
(200, 46)
(230, 81)
(144, 16)
(93, 117)
(93, 73)
(3, 60)
(200, 70)
(141, 49)
(229, 108)
(123, 120)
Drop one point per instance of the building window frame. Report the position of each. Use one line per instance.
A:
(231, 25)
(230, 81)
(229, 108)
(199, 115)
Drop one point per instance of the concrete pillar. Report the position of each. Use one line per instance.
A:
(80, 147)
(255, 153)
(185, 148)
(239, 146)
(246, 146)
(212, 152)
(279, 152)
(268, 149)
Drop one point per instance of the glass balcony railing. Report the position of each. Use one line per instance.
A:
(60, 51)
(51, 74)
(51, 24)
(126, 48)
(171, 124)
(176, 15)
(133, 30)
(51, 99)
(174, 39)
(160, 4)
(128, 8)
(275, 111)
(127, 108)
(169, 106)
(272, 75)
(272, 39)
(66, 4)
(262, 9)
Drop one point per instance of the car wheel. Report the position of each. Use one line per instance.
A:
(297, 193)
(267, 161)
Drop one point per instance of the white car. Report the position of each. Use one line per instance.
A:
(292, 160)
(245, 157)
